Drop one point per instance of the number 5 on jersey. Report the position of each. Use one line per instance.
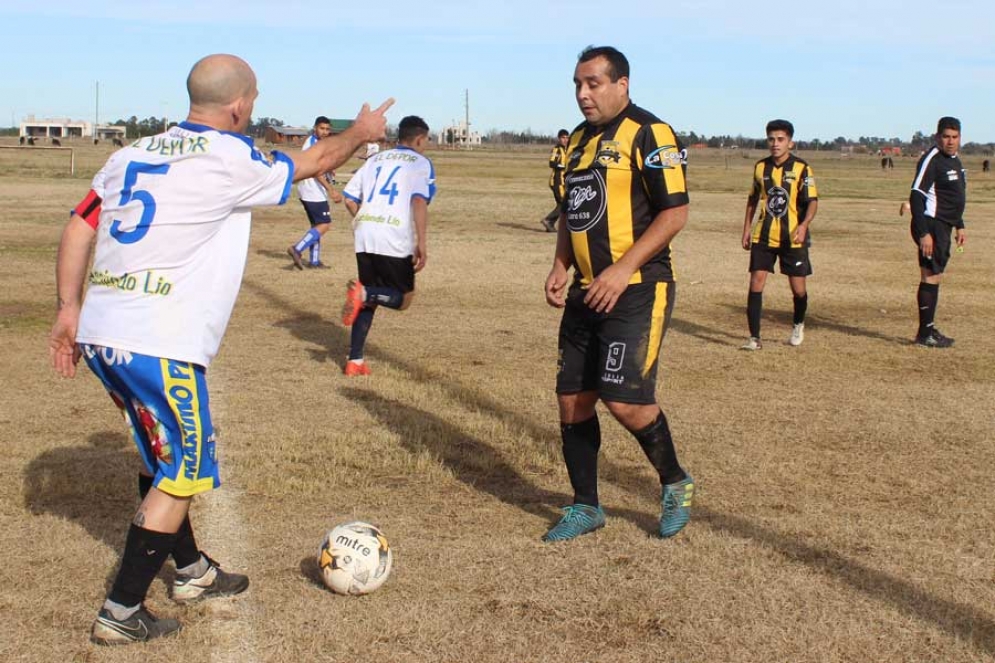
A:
(128, 193)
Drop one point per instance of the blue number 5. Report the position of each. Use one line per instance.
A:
(144, 197)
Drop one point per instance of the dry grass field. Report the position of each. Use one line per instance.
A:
(845, 488)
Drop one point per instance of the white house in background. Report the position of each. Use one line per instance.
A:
(459, 134)
(63, 127)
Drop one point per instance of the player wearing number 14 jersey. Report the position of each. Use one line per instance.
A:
(388, 198)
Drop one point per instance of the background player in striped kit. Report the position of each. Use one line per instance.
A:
(557, 164)
(785, 187)
(315, 193)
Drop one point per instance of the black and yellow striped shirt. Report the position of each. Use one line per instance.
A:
(785, 192)
(557, 163)
(618, 178)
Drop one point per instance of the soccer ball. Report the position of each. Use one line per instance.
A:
(354, 558)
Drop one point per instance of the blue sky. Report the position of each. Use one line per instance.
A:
(840, 68)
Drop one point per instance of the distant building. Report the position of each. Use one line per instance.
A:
(297, 135)
(458, 134)
(63, 127)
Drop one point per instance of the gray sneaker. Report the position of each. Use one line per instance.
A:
(140, 627)
(213, 583)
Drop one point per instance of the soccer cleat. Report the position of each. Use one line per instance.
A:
(753, 344)
(353, 302)
(355, 368)
(213, 583)
(797, 334)
(295, 255)
(934, 339)
(577, 519)
(676, 502)
(140, 627)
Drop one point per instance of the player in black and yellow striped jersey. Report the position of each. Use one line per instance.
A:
(784, 188)
(626, 198)
(557, 164)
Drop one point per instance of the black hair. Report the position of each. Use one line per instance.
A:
(410, 128)
(561, 133)
(618, 65)
(321, 119)
(781, 125)
(948, 123)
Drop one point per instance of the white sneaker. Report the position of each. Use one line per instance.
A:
(753, 344)
(797, 334)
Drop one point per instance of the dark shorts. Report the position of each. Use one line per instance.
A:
(941, 233)
(615, 354)
(318, 212)
(386, 271)
(794, 262)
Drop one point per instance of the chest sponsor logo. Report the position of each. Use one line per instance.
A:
(586, 200)
(953, 175)
(666, 157)
(777, 201)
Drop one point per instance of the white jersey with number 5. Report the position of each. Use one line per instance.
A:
(173, 238)
(384, 187)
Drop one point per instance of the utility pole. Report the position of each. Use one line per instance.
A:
(96, 111)
(467, 107)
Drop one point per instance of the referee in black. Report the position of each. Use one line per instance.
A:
(937, 200)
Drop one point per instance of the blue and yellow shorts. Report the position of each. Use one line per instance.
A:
(166, 406)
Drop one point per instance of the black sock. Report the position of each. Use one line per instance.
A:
(145, 552)
(927, 297)
(360, 330)
(658, 446)
(801, 306)
(581, 443)
(185, 550)
(389, 297)
(754, 305)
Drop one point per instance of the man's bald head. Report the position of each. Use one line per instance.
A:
(218, 80)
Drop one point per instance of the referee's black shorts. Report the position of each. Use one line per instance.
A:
(615, 354)
(941, 233)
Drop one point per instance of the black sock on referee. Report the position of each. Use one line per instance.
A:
(801, 306)
(927, 297)
(658, 446)
(581, 444)
(145, 552)
(185, 551)
(754, 305)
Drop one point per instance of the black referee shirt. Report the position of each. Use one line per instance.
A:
(939, 190)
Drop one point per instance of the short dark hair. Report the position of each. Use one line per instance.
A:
(321, 119)
(948, 123)
(561, 133)
(410, 128)
(781, 125)
(618, 65)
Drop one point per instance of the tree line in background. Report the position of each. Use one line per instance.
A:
(920, 140)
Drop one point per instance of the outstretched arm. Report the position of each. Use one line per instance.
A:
(330, 153)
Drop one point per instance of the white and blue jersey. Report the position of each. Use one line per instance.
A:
(383, 188)
(172, 240)
(310, 190)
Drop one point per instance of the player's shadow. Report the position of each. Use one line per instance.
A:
(688, 328)
(332, 341)
(963, 621)
(471, 460)
(784, 318)
(95, 486)
(521, 226)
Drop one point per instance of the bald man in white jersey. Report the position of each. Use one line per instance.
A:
(172, 234)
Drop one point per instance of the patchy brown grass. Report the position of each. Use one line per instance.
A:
(845, 486)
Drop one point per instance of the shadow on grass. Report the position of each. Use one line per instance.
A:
(477, 464)
(719, 337)
(537, 228)
(471, 460)
(95, 486)
(784, 319)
